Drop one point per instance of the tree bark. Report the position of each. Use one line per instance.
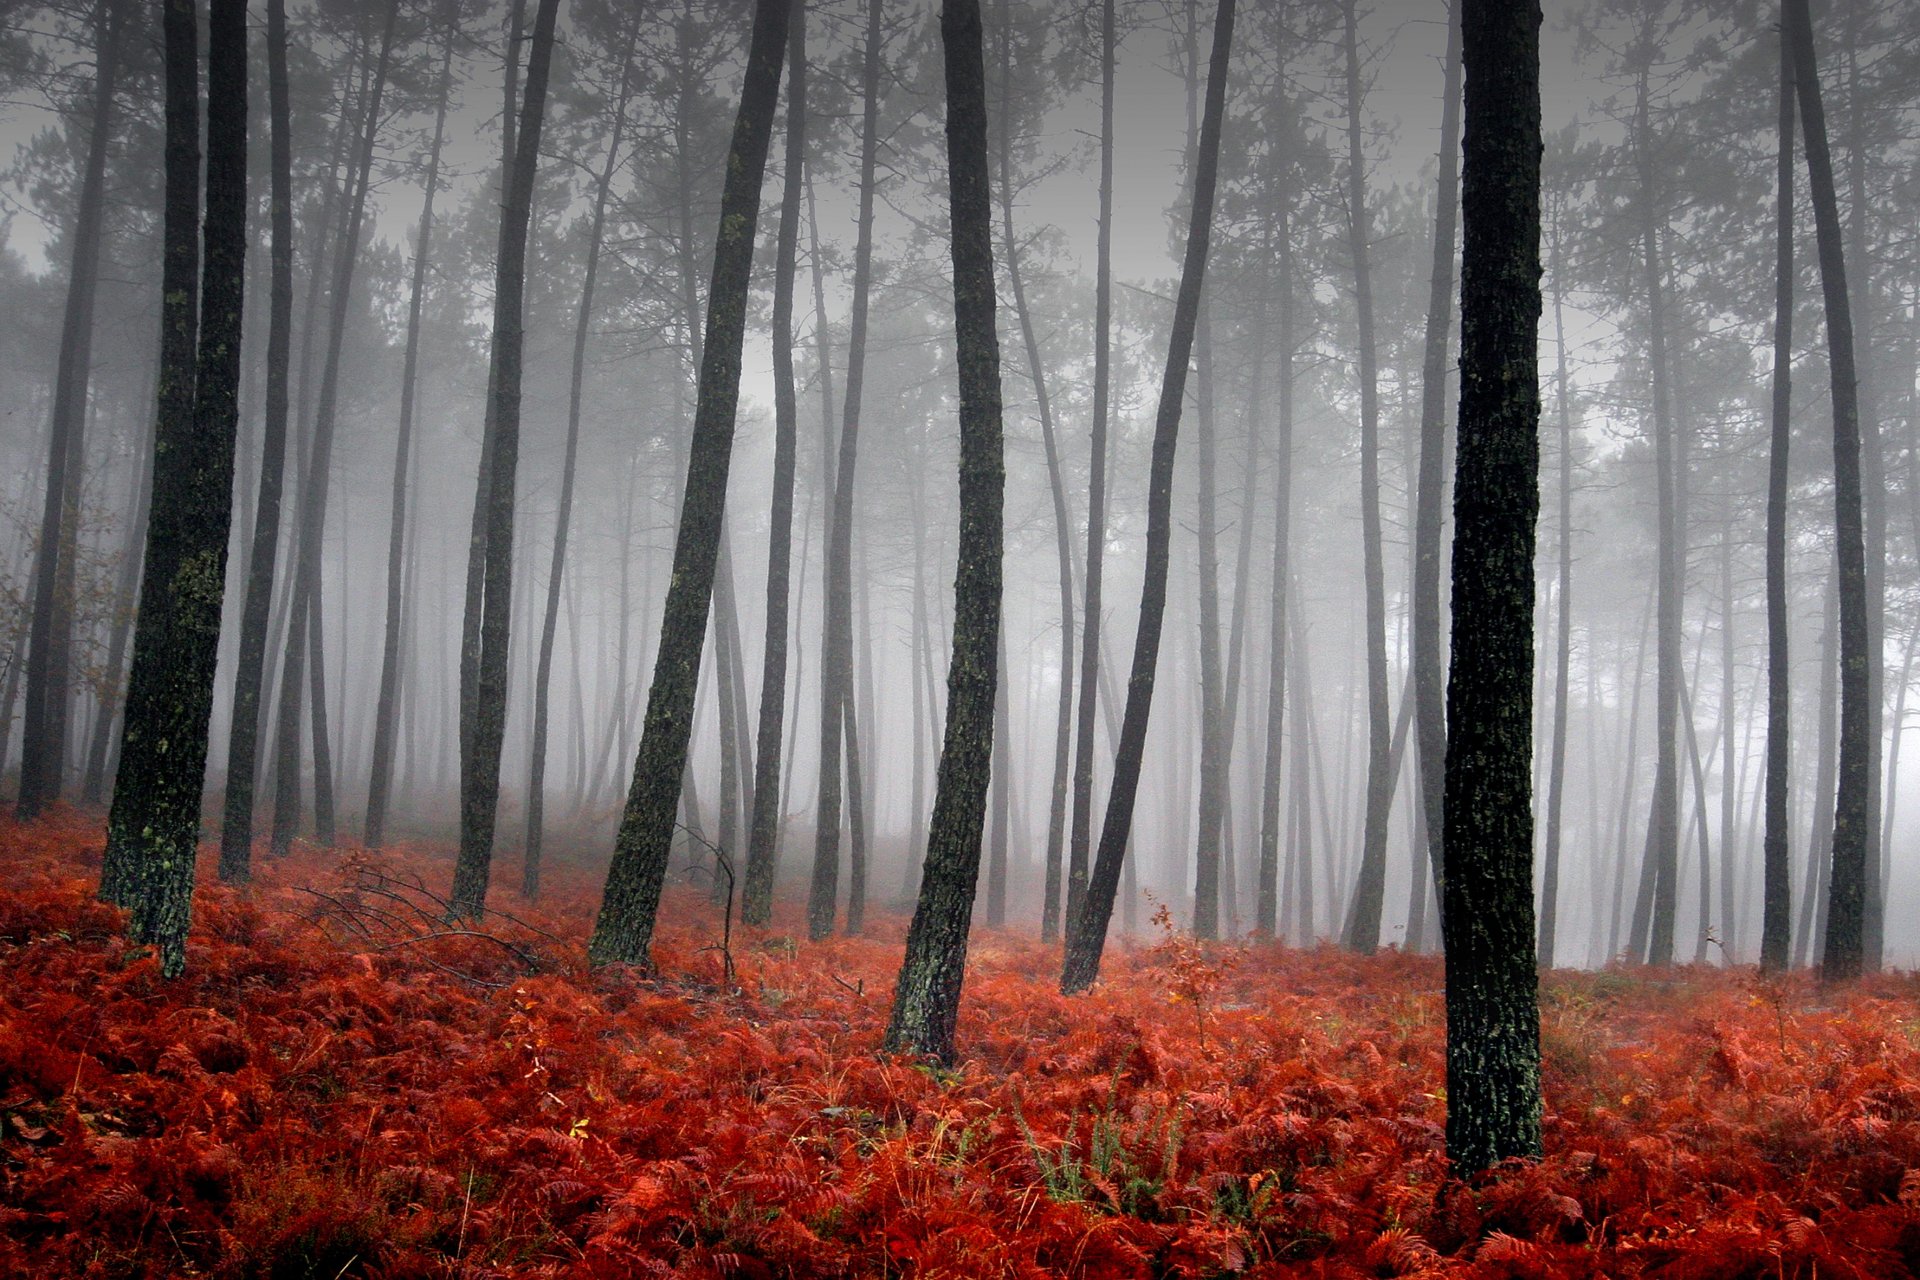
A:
(153, 828)
(49, 651)
(624, 930)
(1844, 955)
(1493, 1021)
(926, 999)
(1087, 930)
(483, 711)
(386, 716)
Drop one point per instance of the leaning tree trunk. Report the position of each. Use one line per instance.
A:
(386, 715)
(1087, 931)
(1429, 659)
(926, 999)
(763, 832)
(153, 829)
(836, 645)
(1080, 835)
(243, 735)
(1362, 931)
(483, 711)
(1493, 1020)
(43, 735)
(624, 930)
(563, 516)
(1844, 953)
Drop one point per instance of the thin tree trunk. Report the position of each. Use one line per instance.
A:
(387, 707)
(1362, 932)
(1776, 911)
(126, 595)
(624, 929)
(1557, 766)
(563, 516)
(1086, 935)
(153, 828)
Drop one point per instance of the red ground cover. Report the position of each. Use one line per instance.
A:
(322, 1097)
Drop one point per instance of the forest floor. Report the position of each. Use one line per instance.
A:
(331, 1091)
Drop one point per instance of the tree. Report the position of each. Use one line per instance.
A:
(1087, 930)
(926, 999)
(153, 828)
(836, 643)
(1845, 953)
(483, 709)
(623, 932)
(243, 733)
(49, 657)
(763, 832)
(1493, 1020)
(1776, 908)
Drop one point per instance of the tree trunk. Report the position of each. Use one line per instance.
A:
(1429, 661)
(1080, 836)
(1844, 955)
(1493, 1027)
(1557, 759)
(483, 711)
(126, 595)
(1087, 930)
(926, 999)
(1362, 932)
(763, 837)
(563, 516)
(49, 654)
(387, 707)
(624, 929)
(153, 829)
(836, 644)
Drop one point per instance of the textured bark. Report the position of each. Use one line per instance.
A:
(563, 515)
(1493, 1021)
(1087, 931)
(1844, 954)
(1362, 931)
(153, 828)
(483, 712)
(836, 642)
(386, 715)
(1429, 659)
(243, 734)
(763, 833)
(624, 930)
(49, 652)
(1080, 835)
(926, 999)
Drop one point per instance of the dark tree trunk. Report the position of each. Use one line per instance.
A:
(483, 711)
(126, 596)
(1844, 955)
(624, 929)
(1493, 1021)
(386, 715)
(926, 999)
(1080, 836)
(1087, 931)
(836, 644)
(1362, 932)
(43, 736)
(1563, 639)
(1267, 897)
(563, 516)
(1000, 799)
(1429, 660)
(153, 829)
(763, 833)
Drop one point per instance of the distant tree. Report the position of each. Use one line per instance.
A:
(483, 710)
(1845, 952)
(926, 999)
(623, 932)
(1776, 908)
(1087, 930)
(1493, 1020)
(153, 828)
